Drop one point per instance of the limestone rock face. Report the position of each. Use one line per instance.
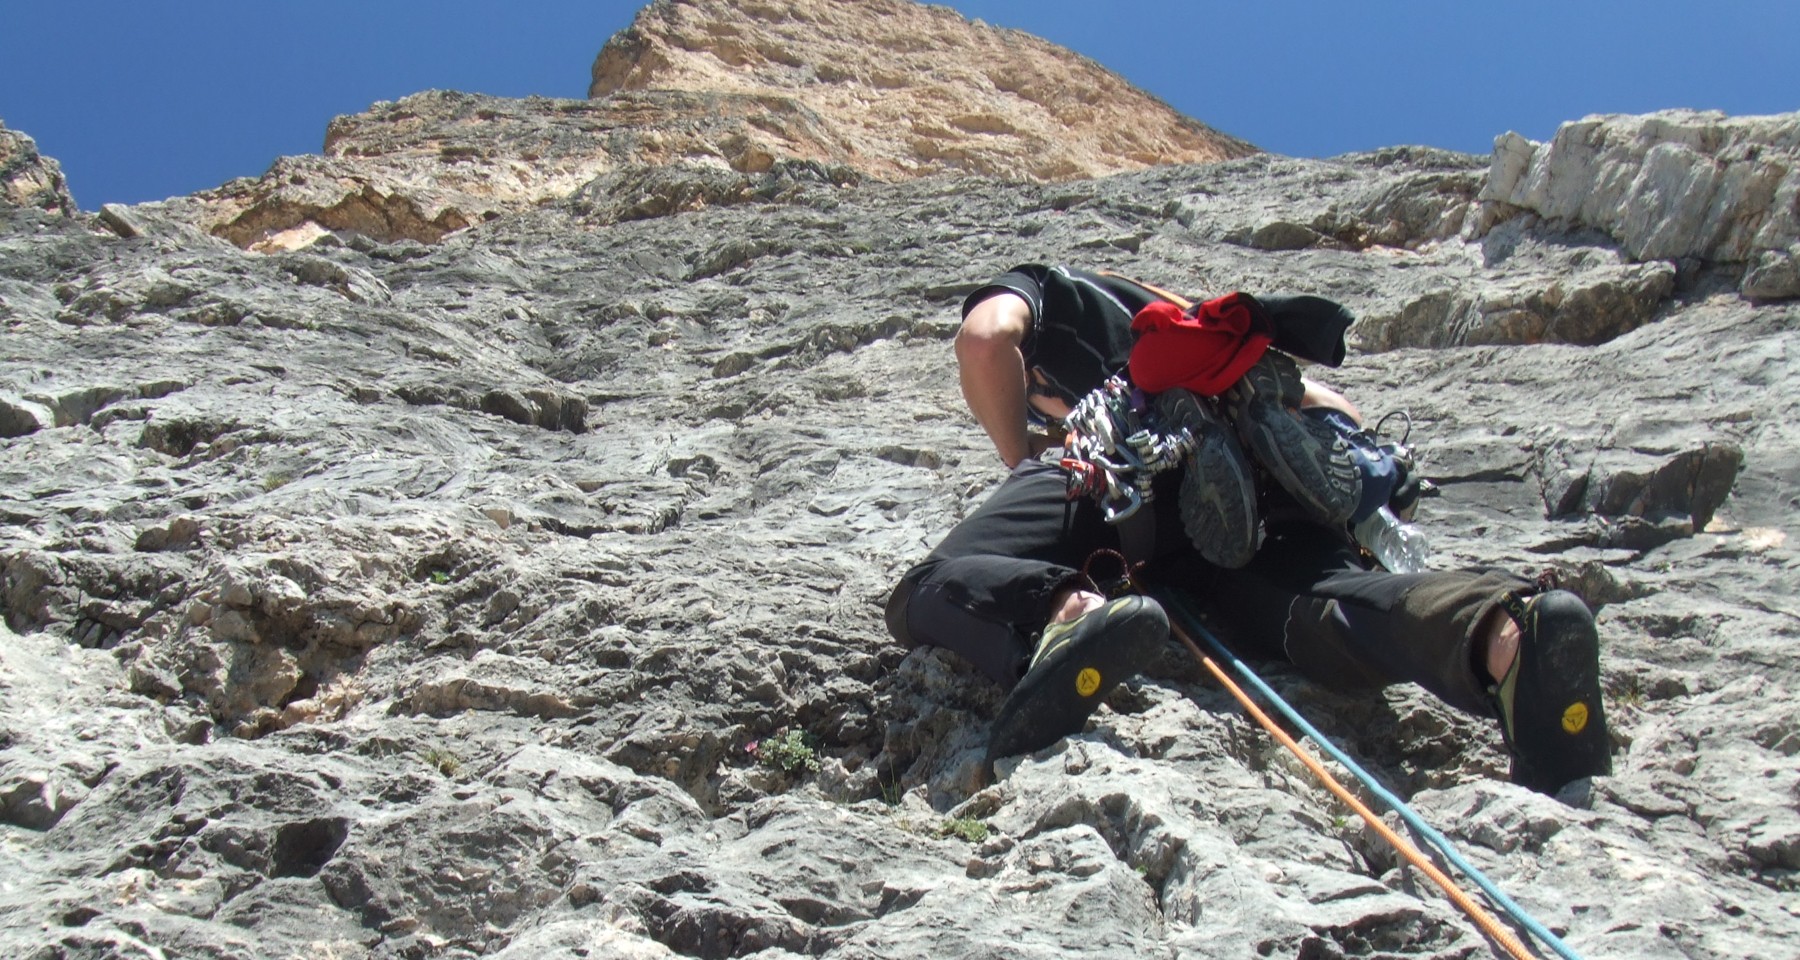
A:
(437, 162)
(904, 89)
(882, 89)
(520, 594)
(388, 599)
(1668, 186)
(29, 179)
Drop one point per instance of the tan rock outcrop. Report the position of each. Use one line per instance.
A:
(905, 89)
(883, 89)
(30, 179)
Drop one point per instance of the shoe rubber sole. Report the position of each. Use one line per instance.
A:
(1305, 456)
(1069, 681)
(1218, 488)
(1558, 731)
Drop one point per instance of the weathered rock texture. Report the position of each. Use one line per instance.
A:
(1671, 186)
(393, 600)
(29, 179)
(437, 162)
(886, 89)
(903, 89)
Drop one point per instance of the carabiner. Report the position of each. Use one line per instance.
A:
(1133, 501)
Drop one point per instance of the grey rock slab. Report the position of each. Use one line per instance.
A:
(379, 649)
(1667, 185)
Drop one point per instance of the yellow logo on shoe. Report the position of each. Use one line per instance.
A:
(1088, 680)
(1575, 718)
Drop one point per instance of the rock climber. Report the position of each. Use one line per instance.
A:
(1249, 521)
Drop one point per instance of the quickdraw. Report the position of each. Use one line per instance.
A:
(1114, 451)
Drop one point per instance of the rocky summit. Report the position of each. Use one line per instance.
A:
(30, 179)
(879, 89)
(472, 540)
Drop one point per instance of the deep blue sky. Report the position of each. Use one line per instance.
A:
(141, 100)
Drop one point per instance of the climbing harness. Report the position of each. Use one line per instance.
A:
(1510, 942)
(1114, 450)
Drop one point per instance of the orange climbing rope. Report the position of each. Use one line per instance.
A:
(1482, 918)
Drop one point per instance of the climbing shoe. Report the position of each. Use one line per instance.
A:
(1308, 458)
(1076, 665)
(1549, 702)
(1218, 489)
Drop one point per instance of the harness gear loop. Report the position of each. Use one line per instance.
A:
(1116, 586)
(1391, 414)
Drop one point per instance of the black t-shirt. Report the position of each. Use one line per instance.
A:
(1080, 323)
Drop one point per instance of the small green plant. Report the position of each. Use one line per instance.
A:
(439, 577)
(790, 751)
(891, 792)
(966, 828)
(443, 761)
(275, 481)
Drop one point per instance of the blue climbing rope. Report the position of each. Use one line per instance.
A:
(1394, 803)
